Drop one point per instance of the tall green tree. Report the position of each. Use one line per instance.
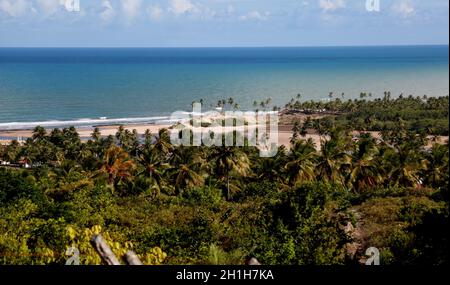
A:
(117, 166)
(301, 165)
(228, 162)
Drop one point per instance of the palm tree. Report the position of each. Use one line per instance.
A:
(303, 131)
(38, 151)
(117, 165)
(365, 172)
(162, 144)
(230, 161)
(295, 132)
(71, 143)
(437, 173)
(88, 156)
(187, 168)
(300, 167)
(96, 135)
(308, 123)
(404, 163)
(333, 159)
(57, 137)
(269, 168)
(127, 140)
(12, 151)
(153, 168)
(39, 133)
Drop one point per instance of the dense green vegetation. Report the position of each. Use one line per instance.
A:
(219, 205)
(418, 114)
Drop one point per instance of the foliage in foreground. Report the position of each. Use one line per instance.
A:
(219, 205)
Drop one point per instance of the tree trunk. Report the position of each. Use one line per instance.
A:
(104, 251)
(131, 258)
(228, 187)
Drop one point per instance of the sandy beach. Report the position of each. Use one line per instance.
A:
(284, 133)
(285, 127)
(86, 132)
(284, 136)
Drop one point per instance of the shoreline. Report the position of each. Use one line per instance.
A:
(286, 118)
(284, 130)
(284, 133)
(284, 136)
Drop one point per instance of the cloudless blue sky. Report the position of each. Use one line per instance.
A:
(205, 23)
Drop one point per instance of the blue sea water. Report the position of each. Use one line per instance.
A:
(43, 84)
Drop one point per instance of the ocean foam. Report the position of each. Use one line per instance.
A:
(79, 123)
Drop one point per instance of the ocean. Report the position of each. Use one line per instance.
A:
(59, 87)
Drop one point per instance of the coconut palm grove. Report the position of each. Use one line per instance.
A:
(311, 204)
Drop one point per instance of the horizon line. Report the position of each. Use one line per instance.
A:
(199, 47)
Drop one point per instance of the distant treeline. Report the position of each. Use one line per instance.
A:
(428, 115)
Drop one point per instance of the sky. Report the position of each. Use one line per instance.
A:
(221, 23)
